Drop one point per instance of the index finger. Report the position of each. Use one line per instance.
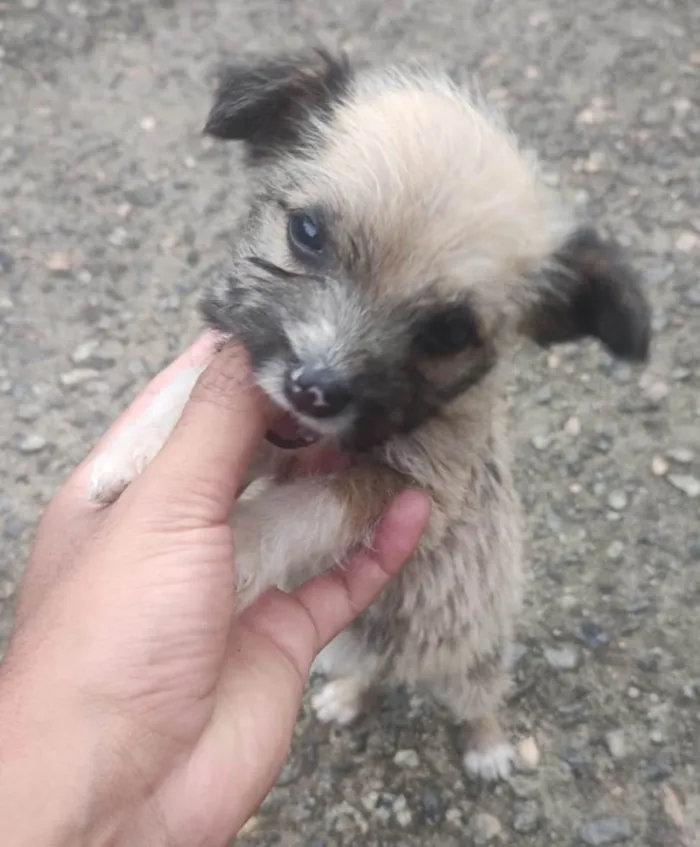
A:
(197, 474)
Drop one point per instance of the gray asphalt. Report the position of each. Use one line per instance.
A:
(113, 210)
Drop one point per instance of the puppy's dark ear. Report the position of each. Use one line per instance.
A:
(589, 289)
(266, 102)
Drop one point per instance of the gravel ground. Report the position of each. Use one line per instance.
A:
(114, 209)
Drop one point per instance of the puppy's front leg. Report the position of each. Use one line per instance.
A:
(137, 446)
(294, 530)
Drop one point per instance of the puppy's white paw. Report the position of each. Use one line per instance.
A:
(491, 764)
(114, 470)
(339, 701)
(132, 452)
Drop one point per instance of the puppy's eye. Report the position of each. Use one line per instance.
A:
(305, 234)
(447, 332)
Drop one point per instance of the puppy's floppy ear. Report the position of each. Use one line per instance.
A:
(266, 101)
(589, 289)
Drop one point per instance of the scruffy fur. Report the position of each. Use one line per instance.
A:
(440, 246)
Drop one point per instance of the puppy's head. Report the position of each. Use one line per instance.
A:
(396, 239)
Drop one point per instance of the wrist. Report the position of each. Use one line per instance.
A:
(48, 789)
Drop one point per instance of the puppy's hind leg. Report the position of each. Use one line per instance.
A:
(473, 700)
(343, 698)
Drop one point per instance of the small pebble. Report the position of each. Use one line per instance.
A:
(689, 485)
(656, 391)
(573, 427)
(575, 759)
(615, 742)
(564, 658)
(146, 196)
(611, 830)
(687, 241)
(148, 123)
(378, 804)
(290, 772)
(402, 812)
(528, 754)
(688, 691)
(118, 237)
(83, 352)
(617, 500)
(486, 828)
(77, 376)
(615, 550)
(454, 816)
(540, 442)
(58, 263)
(633, 692)
(431, 802)
(407, 759)
(658, 770)
(523, 787)
(543, 396)
(94, 355)
(249, 826)
(33, 444)
(594, 162)
(591, 634)
(681, 455)
(648, 664)
(659, 466)
(14, 527)
(527, 817)
(6, 262)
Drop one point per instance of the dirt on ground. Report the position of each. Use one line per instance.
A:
(114, 210)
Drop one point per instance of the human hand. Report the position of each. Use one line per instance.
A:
(131, 702)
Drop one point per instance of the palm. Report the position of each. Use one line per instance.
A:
(235, 760)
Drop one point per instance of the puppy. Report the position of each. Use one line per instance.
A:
(396, 245)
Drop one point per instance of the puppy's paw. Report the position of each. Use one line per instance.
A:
(339, 701)
(493, 763)
(115, 469)
(137, 446)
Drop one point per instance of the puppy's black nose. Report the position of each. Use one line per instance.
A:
(315, 391)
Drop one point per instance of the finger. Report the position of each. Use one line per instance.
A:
(60, 538)
(70, 519)
(199, 354)
(303, 623)
(195, 477)
(335, 599)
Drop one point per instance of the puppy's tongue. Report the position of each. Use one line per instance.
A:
(287, 433)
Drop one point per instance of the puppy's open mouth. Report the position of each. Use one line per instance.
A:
(288, 433)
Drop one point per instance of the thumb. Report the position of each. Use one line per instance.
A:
(198, 472)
